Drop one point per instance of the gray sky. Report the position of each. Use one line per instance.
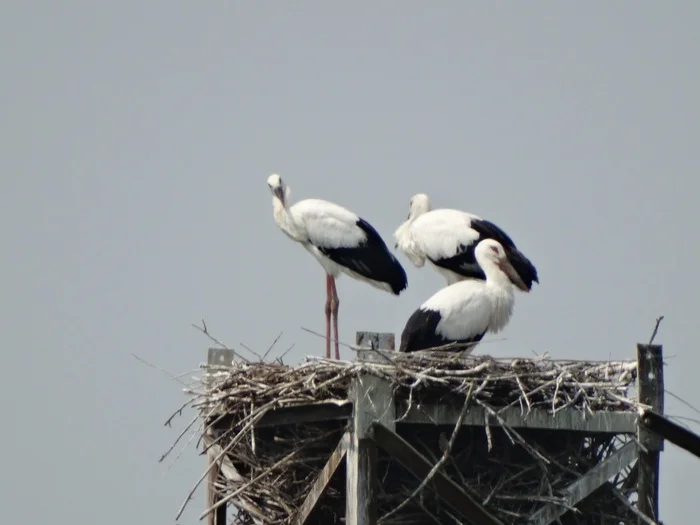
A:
(136, 139)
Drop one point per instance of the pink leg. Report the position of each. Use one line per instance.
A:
(329, 293)
(335, 303)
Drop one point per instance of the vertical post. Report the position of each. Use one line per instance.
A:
(216, 357)
(650, 374)
(372, 401)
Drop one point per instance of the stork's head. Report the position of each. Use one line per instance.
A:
(491, 255)
(419, 204)
(277, 187)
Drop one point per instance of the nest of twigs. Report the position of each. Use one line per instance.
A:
(267, 472)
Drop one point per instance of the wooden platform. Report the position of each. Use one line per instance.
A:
(373, 416)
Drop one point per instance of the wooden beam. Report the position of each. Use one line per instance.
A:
(568, 419)
(454, 495)
(372, 401)
(306, 414)
(668, 430)
(225, 465)
(221, 357)
(324, 477)
(587, 484)
(650, 392)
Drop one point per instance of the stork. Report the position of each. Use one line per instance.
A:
(464, 311)
(447, 238)
(342, 242)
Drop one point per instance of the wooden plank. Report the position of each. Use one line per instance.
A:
(587, 484)
(221, 357)
(650, 392)
(306, 414)
(566, 419)
(668, 430)
(225, 465)
(324, 477)
(419, 466)
(376, 340)
(372, 401)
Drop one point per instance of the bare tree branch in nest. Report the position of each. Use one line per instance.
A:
(656, 328)
(205, 331)
(438, 465)
(280, 470)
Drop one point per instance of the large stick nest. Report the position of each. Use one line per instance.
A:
(267, 472)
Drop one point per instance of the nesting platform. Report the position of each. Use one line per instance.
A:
(430, 438)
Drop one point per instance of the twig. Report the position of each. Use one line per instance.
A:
(171, 376)
(437, 466)
(271, 346)
(351, 347)
(279, 359)
(235, 493)
(205, 331)
(682, 401)
(233, 442)
(260, 358)
(656, 328)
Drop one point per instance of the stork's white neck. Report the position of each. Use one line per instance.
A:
(284, 218)
(494, 275)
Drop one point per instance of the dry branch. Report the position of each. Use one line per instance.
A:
(513, 472)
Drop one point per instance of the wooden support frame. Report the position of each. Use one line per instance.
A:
(650, 375)
(220, 357)
(324, 477)
(371, 412)
(454, 495)
(372, 401)
(588, 483)
(670, 431)
(514, 417)
(435, 414)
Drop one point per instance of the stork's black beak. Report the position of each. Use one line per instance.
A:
(279, 193)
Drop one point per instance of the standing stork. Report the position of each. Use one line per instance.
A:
(342, 242)
(463, 312)
(447, 238)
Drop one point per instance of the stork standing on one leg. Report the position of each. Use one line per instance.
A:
(463, 312)
(342, 242)
(447, 238)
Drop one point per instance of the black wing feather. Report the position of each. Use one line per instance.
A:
(464, 262)
(420, 333)
(371, 259)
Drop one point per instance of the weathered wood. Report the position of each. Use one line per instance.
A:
(456, 497)
(324, 477)
(221, 357)
(587, 484)
(567, 419)
(670, 431)
(375, 340)
(372, 401)
(650, 392)
(225, 465)
(306, 414)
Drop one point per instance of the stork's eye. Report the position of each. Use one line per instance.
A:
(495, 250)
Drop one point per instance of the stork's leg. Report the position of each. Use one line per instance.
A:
(329, 293)
(335, 303)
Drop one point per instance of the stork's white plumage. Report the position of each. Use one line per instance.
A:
(342, 242)
(447, 239)
(464, 311)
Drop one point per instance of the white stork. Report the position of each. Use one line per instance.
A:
(342, 242)
(463, 312)
(447, 239)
